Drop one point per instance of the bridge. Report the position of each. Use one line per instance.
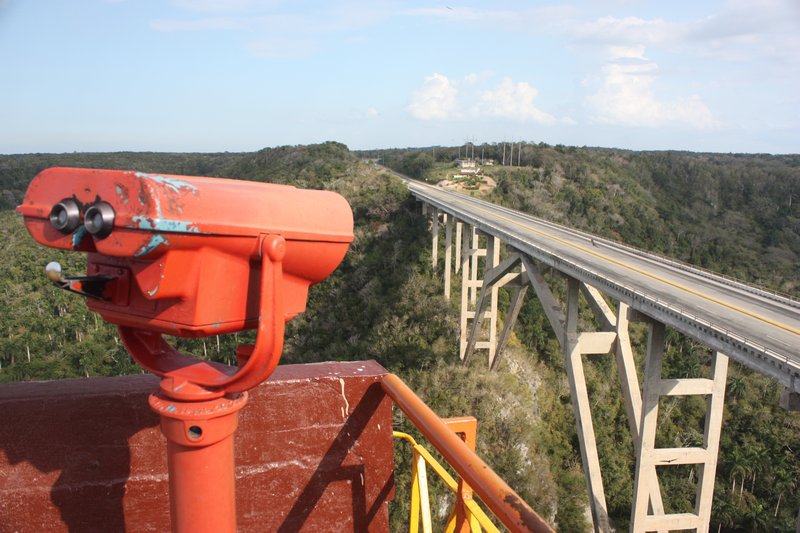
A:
(755, 327)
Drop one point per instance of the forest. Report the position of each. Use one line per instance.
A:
(735, 214)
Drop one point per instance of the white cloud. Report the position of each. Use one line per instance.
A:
(441, 98)
(372, 113)
(627, 97)
(691, 110)
(512, 101)
(435, 100)
(475, 78)
(626, 52)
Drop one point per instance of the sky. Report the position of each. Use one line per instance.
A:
(241, 75)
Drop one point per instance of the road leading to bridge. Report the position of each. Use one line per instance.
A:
(755, 327)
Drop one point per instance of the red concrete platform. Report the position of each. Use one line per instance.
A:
(313, 453)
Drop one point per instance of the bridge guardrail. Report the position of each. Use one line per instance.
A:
(682, 265)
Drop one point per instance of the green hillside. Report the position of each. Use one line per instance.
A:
(736, 214)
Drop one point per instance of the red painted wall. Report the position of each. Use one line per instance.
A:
(313, 453)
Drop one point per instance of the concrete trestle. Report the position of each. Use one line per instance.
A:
(477, 255)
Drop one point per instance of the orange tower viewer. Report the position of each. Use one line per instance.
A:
(192, 257)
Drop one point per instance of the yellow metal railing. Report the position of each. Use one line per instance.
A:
(420, 504)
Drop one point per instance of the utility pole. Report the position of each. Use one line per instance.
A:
(504, 153)
(511, 159)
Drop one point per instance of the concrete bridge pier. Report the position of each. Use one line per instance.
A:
(649, 457)
(474, 309)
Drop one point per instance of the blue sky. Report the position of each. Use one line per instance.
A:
(240, 75)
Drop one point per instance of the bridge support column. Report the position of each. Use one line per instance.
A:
(631, 393)
(517, 297)
(613, 337)
(459, 227)
(448, 222)
(626, 368)
(642, 408)
(573, 359)
(435, 239)
(448, 253)
(503, 275)
(495, 277)
(466, 254)
(471, 253)
(492, 260)
(649, 457)
(473, 265)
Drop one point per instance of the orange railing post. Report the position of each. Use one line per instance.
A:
(466, 427)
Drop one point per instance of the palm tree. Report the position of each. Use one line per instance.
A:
(783, 481)
(736, 386)
(757, 518)
(739, 466)
(723, 513)
(757, 457)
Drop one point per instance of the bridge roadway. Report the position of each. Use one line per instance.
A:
(755, 327)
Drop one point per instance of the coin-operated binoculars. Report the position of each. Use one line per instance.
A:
(192, 257)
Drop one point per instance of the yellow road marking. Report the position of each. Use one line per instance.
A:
(643, 272)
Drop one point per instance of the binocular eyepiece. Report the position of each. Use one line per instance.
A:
(99, 220)
(66, 216)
